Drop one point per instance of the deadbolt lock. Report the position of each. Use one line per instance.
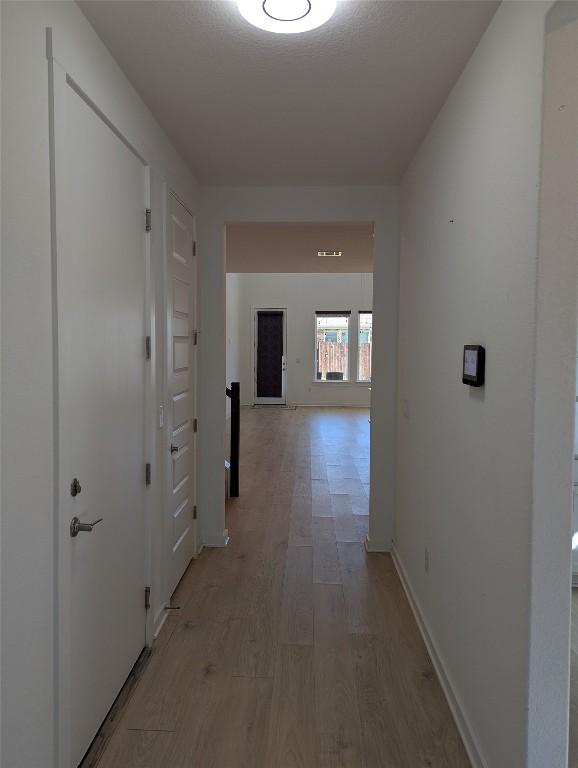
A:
(75, 487)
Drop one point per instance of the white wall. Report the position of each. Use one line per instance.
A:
(470, 488)
(575, 488)
(221, 205)
(233, 329)
(575, 484)
(301, 295)
(1, 424)
(28, 462)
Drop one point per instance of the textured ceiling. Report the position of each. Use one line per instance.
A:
(347, 103)
(279, 247)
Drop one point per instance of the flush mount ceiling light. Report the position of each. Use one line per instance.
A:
(287, 16)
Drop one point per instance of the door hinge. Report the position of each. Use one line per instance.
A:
(148, 220)
(194, 247)
(195, 338)
(147, 598)
(148, 347)
(195, 425)
(195, 512)
(147, 473)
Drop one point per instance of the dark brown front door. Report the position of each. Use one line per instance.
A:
(269, 367)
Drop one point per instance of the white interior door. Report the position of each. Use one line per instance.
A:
(101, 270)
(181, 363)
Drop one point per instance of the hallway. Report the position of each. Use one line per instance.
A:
(291, 647)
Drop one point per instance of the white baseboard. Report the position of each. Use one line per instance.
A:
(217, 540)
(377, 545)
(332, 405)
(159, 621)
(197, 554)
(461, 720)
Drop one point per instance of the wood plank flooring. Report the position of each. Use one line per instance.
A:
(292, 647)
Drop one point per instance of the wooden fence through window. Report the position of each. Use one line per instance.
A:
(332, 358)
(364, 373)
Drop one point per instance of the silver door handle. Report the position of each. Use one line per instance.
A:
(76, 526)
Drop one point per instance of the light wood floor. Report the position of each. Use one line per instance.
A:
(291, 648)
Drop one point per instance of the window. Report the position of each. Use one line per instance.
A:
(364, 348)
(332, 346)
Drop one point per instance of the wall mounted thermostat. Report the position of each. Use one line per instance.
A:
(474, 368)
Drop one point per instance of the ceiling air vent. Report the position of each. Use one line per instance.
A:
(329, 254)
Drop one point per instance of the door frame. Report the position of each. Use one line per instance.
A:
(60, 80)
(269, 400)
(171, 192)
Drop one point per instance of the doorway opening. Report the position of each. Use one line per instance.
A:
(299, 312)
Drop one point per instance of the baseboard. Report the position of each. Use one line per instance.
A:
(332, 405)
(217, 540)
(461, 720)
(377, 545)
(275, 406)
(159, 621)
(197, 554)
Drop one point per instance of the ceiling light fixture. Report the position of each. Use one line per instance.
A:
(287, 16)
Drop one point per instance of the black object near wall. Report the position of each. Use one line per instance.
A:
(474, 365)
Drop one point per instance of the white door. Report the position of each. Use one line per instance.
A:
(101, 269)
(270, 356)
(181, 363)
